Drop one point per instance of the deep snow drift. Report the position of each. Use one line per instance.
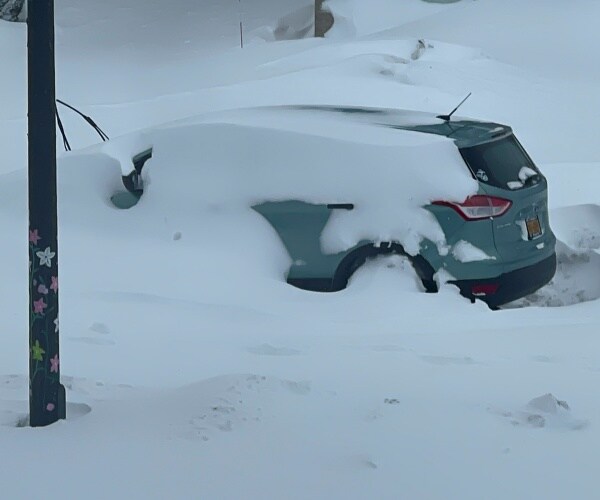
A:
(194, 371)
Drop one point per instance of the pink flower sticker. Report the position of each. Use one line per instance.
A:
(43, 290)
(54, 362)
(50, 407)
(54, 284)
(34, 237)
(39, 306)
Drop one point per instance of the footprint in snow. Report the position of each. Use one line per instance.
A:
(387, 348)
(544, 359)
(231, 403)
(301, 388)
(92, 341)
(13, 381)
(269, 350)
(381, 411)
(100, 328)
(448, 360)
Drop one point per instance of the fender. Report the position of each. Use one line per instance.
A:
(358, 257)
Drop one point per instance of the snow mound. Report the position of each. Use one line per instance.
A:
(344, 14)
(577, 276)
(577, 280)
(294, 26)
(242, 158)
(360, 18)
(578, 226)
(396, 55)
(393, 273)
(546, 411)
(548, 404)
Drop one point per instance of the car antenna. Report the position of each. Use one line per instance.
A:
(446, 118)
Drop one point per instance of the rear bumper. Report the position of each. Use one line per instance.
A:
(513, 285)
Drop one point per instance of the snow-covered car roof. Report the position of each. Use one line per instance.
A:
(356, 124)
(463, 131)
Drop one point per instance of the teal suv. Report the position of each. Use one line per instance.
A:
(507, 220)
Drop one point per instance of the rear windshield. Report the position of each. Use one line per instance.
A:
(502, 163)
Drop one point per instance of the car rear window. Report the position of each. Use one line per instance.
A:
(501, 163)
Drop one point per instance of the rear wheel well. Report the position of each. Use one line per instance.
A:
(355, 259)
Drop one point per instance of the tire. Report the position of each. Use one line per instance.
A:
(355, 260)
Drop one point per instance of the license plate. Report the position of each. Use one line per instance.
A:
(534, 229)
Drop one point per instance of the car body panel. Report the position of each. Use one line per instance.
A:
(299, 225)
(456, 230)
(515, 248)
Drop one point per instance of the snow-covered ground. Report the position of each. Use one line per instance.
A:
(194, 371)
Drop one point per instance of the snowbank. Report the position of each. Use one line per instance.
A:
(360, 18)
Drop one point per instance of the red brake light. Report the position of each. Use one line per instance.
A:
(481, 290)
(478, 207)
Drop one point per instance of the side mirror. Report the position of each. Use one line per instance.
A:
(133, 183)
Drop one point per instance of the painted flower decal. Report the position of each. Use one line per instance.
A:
(34, 236)
(42, 289)
(50, 407)
(56, 325)
(46, 257)
(54, 284)
(39, 306)
(54, 362)
(37, 353)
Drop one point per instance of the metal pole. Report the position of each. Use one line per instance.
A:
(323, 19)
(46, 394)
(241, 26)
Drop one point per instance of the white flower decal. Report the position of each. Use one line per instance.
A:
(46, 257)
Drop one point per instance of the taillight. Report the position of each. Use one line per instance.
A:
(478, 207)
(481, 290)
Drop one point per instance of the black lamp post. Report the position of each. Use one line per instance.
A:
(46, 394)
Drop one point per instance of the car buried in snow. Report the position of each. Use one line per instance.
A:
(502, 246)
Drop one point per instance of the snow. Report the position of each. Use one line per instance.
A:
(192, 370)
(524, 174)
(464, 251)
(378, 15)
(300, 155)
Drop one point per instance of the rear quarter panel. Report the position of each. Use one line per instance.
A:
(510, 232)
(476, 233)
(299, 226)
